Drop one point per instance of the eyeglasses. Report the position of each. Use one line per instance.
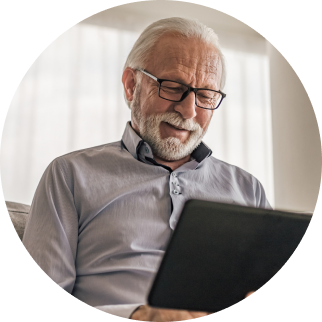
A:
(208, 99)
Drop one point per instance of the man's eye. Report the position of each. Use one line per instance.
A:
(172, 88)
(205, 97)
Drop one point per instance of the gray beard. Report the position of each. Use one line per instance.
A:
(170, 148)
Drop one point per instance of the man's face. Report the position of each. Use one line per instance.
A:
(174, 129)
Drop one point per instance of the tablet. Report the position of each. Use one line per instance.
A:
(220, 252)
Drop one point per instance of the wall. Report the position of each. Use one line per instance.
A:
(296, 139)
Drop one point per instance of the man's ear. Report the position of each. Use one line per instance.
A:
(129, 82)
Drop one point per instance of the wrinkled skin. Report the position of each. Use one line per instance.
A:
(189, 61)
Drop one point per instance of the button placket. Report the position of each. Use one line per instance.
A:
(175, 183)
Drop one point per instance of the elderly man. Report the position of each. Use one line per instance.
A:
(101, 217)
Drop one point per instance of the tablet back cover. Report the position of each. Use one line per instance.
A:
(219, 252)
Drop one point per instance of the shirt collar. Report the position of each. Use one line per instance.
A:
(136, 146)
(131, 140)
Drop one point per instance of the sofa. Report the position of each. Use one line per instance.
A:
(18, 213)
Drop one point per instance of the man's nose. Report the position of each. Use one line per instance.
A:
(187, 108)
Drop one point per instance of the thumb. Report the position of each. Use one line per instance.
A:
(249, 294)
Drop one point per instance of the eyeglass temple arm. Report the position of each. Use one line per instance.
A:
(146, 73)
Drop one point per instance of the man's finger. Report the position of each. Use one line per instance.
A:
(249, 293)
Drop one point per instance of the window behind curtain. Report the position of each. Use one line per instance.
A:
(72, 98)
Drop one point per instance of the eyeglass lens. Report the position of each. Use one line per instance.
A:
(204, 98)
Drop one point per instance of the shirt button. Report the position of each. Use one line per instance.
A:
(174, 174)
(146, 149)
(176, 192)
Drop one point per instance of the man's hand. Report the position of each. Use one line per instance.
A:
(147, 313)
(249, 293)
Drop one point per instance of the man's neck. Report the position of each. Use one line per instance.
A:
(172, 164)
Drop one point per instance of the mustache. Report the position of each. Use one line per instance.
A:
(176, 120)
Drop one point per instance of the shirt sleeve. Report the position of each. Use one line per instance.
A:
(122, 310)
(51, 232)
(260, 196)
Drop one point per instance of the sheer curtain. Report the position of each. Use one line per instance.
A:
(72, 98)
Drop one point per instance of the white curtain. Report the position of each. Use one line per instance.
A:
(72, 98)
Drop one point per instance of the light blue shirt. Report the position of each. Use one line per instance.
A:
(101, 217)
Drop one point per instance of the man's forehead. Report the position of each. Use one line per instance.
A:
(173, 54)
(190, 61)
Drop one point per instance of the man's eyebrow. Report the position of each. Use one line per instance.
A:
(179, 80)
(174, 79)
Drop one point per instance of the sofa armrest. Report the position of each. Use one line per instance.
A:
(18, 213)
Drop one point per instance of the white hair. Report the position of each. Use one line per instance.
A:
(189, 28)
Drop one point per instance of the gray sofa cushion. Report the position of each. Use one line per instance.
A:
(18, 213)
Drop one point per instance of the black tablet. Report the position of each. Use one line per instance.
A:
(219, 252)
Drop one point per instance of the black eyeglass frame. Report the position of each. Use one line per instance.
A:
(186, 93)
